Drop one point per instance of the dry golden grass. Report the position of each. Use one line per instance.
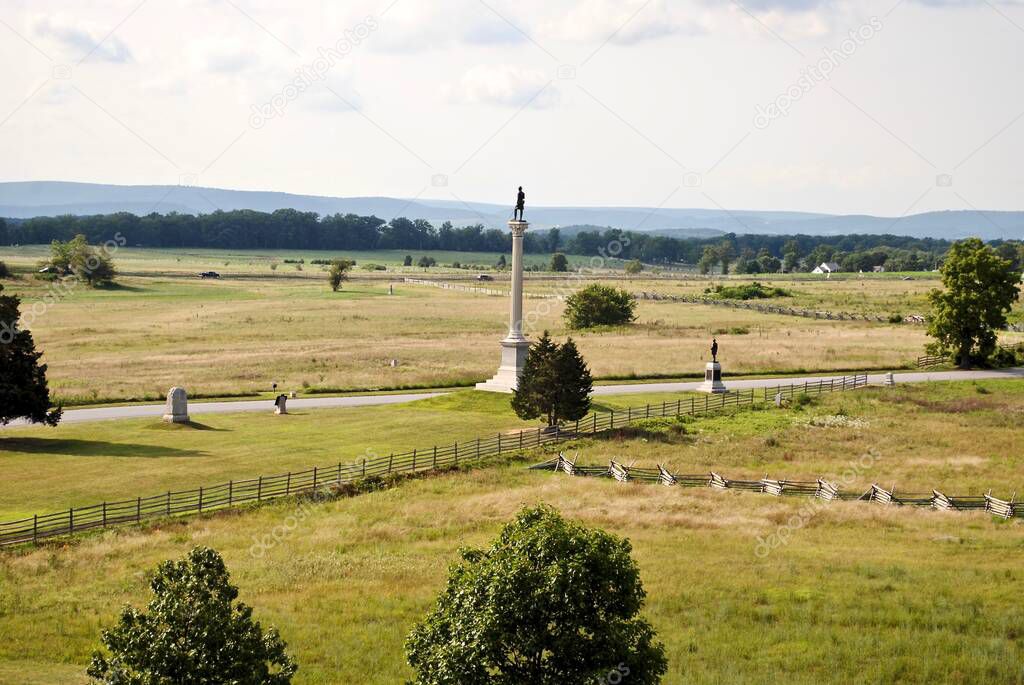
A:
(240, 335)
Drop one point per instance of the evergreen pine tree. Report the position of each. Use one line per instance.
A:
(573, 384)
(556, 383)
(535, 395)
(23, 390)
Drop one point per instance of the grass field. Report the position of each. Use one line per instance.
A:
(79, 464)
(239, 335)
(861, 593)
(191, 261)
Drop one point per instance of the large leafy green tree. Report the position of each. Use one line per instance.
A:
(550, 602)
(23, 389)
(194, 633)
(979, 289)
(599, 305)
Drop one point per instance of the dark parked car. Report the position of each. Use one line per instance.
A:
(209, 274)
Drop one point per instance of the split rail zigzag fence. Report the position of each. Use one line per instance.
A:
(207, 498)
(819, 488)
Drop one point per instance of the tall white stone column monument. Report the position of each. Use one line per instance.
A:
(515, 345)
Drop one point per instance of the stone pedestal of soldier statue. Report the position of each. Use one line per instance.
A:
(713, 373)
(176, 410)
(515, 345)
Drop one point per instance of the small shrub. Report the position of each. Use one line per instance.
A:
(749, 291)
(801, 401)
(895, 317)
(4, 271)
(599, 305)
(668, 429)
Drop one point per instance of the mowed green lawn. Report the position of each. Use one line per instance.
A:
(860, 593)
(51, 469)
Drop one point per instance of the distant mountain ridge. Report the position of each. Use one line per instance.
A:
(26, 199)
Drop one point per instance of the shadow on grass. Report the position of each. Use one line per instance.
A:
(190, 426)
(118, 287)
(91, 448)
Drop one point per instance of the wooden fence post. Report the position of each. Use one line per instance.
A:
(414, 458)
(138, 509)
(456, 452)
(104, 514)
(35, 527)
(288, 484)
(168, 502)
(391, 460)
(200, 499)
(259, 487)
(434, 466)
(71, 520)
(478, 449)
(364, 467)
(314, 478)
(595, 422)
(231, 492)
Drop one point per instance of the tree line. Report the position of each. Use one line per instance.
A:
(296, 230)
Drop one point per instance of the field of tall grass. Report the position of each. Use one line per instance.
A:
(240, 335)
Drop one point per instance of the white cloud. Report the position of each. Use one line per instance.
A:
(76, 38)
(625, 22)
(505, 86)
(411, 26)
(217, 54)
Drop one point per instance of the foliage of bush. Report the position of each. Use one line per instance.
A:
(749, 291)
(599, 305)
(192, 632)
(550, 601)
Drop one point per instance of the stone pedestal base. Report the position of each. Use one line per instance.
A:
(712, 379)
(176, 418)
(513, 358)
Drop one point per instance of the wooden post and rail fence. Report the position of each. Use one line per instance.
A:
(234, 492)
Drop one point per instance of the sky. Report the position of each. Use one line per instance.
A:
(885, 108)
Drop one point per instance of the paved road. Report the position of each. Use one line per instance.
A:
(200, 408)
(916, 377)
